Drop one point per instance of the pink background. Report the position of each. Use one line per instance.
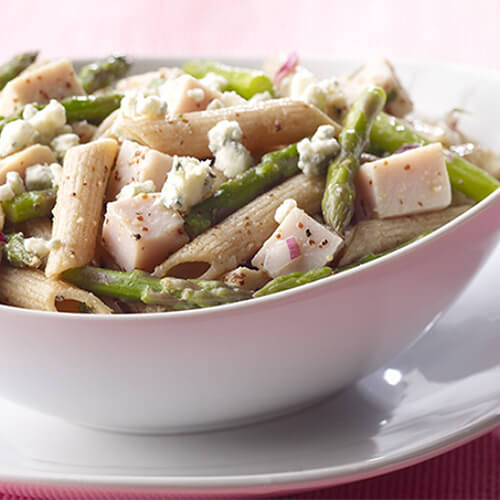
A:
(465, 31)
(449, 30)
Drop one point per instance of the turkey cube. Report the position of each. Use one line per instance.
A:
(136, 163)
(403, 184)
(300, 243)
(185, 94)
(379, 72)
(140, 234)
(55, 80)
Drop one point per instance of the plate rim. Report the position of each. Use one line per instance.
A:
(281, 482)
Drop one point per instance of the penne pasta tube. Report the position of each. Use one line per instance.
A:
(31, 289)
(34, 228)
(237, 238)
(378, 235)
(265, 125)
(78, 210)
(19, 162)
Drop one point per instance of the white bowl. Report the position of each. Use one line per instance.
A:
(184, 371)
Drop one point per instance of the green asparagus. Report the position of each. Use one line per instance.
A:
(16, 65)
(388, 134)
(178, 294)
(293, 280)
(29, 205)
(245, 82)
(92, 108)
(236, 193)
(338, 201)
(103, 73)
(16, 253)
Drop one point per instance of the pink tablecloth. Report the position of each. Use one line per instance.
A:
(452, 30)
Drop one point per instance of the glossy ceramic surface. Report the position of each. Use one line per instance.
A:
(238, 363)
(441, 392)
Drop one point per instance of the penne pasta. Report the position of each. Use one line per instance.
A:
(34, 228)
(31, 289)
(19, 162)
(378, 235)
(78, 210)
(237, 238)
(265, 125)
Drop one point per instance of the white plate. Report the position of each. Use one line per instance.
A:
(441, 392)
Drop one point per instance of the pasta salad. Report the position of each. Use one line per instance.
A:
(192, 187)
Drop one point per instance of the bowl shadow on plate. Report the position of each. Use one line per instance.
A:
(355, 409)
(468, 357)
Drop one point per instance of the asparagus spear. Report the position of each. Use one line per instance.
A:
(16, 253)
(92, 108)
(246, 82)
(338, 201)
(237, 192)
(29, 205)
(179, 294)
(293, 280)
(388, 134)
(12, 68)
(101, 74)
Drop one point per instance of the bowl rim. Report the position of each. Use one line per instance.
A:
(406, 249)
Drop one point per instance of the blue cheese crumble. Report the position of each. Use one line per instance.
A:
(43, 176)
(15, 136)
(189, 182)
(317, 152)
(231, 157)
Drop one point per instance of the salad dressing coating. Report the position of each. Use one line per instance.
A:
(193, 187)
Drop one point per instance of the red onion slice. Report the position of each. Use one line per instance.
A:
(289, 65)
(293, 247)
(3, 239)
(407, 147)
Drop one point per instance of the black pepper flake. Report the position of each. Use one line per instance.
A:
(308, 232)
(137, 236)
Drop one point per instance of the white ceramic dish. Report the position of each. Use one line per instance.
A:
(233, 364)
(440, 393)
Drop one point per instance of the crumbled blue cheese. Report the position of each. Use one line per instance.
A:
(15, 181)
(49, 121)
(214, 82)
(6, 193)
(226, 100)
(315, 153)
(189, 182)
(260, 97)
(231, 157)
(63, 142)
(42, 176)
(198, 95)
(37, 246)
(135, 188)
(13, 186)
(284, 209)
(15, 136)
(137, 105)
(40, 249)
